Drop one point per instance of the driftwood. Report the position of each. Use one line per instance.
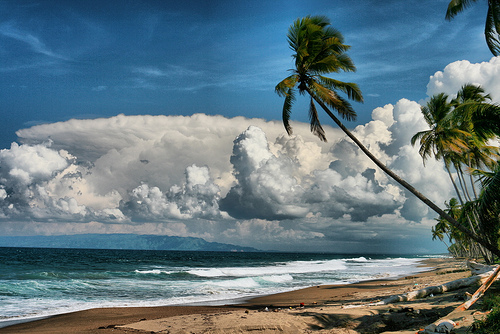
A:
(434, 290)
(446, 325)
(479, 268)
(450, 286)
(480, 292)
(477, 279)
(482, 274)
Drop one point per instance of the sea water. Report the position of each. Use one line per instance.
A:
(38, 282)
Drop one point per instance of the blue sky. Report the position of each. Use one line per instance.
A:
(160, 117)
(87, 59)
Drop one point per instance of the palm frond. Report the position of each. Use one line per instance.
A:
(351, 89)
(319, 20)
(480, 119)
(345, 109)
(457, 6)
(492, 27)
(426, 112)
(490, 194)
(294, 33)
(470, 93)
(418, 137)
(287, 110)
(333, 100)
(316, 127)
(331, 32)
(335, 44)
(438, 108)
(427, 147)
(284, 86)
(332, 64)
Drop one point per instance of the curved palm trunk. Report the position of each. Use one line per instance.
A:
(402, 182)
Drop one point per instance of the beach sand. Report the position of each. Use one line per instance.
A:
(325, 310)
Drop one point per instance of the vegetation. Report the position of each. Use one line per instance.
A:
(320, 50)
(460, 131)
(491, 324)
(492, 26)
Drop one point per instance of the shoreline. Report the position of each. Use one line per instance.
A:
(423, 263)
(317, 298)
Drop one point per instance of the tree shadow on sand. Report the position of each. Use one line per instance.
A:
(380, 321)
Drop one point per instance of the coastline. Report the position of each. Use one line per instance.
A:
(284, 309)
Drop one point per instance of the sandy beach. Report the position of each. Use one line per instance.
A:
(318, 309)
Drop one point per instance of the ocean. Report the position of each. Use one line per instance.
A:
(40, 282)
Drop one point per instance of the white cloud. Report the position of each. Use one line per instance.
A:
(26, 163)
(266, 185)
(131, 171)
(235, 180)
(458, 73)
(197, 198)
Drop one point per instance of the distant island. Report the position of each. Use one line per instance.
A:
(120, 241)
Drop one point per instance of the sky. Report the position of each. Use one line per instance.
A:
(160, 117)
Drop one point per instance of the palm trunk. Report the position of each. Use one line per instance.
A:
(484, 252)
(463, 182)
(454, 183)
(472, 183)
(402, 182)
(473, 186)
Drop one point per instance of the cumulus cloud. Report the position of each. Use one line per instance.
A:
(458, 73)
(197, 198)
(234, 180)
(273, 187)
(24, 164)
(266, 187)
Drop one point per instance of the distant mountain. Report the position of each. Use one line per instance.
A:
(120, 241)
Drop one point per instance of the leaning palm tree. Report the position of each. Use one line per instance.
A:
(319, 50)
(492, 26)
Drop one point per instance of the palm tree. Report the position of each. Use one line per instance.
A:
(492, 26)
(319, 50)
(442, 140)
(470, 100)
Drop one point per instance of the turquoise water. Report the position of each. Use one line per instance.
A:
(38, 282)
